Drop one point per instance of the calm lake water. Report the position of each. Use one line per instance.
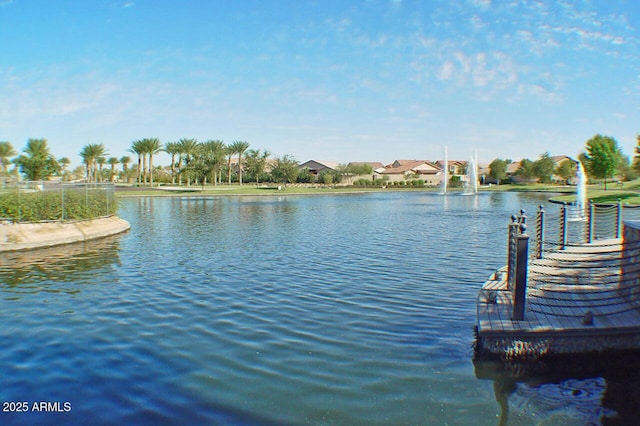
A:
(352, 309)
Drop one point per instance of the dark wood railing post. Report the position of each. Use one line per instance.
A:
(511, 252)
(590, 222)
(619, 220)
(520, 288)
(563, 226)
(540, 232)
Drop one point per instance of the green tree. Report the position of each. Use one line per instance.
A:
(525, 170)
(64, 163)
(601, 157)
(6, 152)
(305, 176)
(239, 147)
(113, 162)
(348, 171)
(37, 163)
(125, 160)
(285, 169)
(138, 149)
(101, 162)
(91, 155)
(188, 149)
(330, 176)
(456, 182)
(213, 156)
(625, 171)
(543, 168)
(636, 158)
(151, 147)
(566, 170)
(173, 149)
(256, 163)
(498, 170)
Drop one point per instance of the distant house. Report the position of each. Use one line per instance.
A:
(401, 170)
(513, 167)
(316, 167)
(455, 167)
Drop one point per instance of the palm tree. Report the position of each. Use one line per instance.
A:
(91, 154)
(239, 147)
(113, 162)
(173, 149)
(230, 151)
(6, 152)
(188, 149)
(64, 162)
(138, 149)
(151, 147)
(213, 153)
(125, 160)
(101, 162)
(86, 154)
(38, 163)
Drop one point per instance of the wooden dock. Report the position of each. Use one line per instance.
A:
(582, 298)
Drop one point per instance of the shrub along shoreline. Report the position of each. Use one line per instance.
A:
(47, 206)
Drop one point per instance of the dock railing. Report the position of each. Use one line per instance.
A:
(606, 265)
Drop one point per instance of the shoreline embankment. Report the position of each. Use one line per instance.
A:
(25, 236)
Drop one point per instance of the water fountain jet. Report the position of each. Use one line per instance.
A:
(472, 175)
(578, 211)
(445, 176)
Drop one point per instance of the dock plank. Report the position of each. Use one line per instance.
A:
(562, 288)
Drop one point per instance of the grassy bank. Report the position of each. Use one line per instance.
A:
(237, 190)
(628, 193)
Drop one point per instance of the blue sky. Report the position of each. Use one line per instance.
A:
(370, 80)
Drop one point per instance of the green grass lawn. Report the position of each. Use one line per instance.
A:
(249, 189)
(628, 193)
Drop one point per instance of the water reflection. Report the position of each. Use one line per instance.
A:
(33, 271)
(585, 389)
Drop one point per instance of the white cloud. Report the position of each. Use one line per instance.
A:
(446, 71)
(539, 91)
(481, 3)
(487, 71)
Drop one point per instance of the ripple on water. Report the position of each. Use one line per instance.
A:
(337, 310)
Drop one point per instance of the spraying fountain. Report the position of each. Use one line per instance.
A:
(445, 176)
(578, 212)
(472, 175)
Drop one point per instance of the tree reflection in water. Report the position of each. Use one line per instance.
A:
(584, 389)
(33, 271)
